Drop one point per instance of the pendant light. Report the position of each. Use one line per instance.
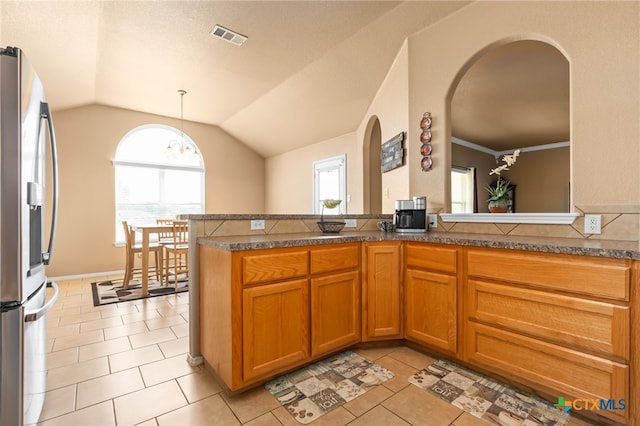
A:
(183, 149)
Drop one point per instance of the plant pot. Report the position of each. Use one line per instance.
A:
(498, 206)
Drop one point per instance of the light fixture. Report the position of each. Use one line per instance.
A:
(182, 149)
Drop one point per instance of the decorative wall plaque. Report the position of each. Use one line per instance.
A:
(392, 153)
(425, 138)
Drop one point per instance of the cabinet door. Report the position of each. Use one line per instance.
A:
(275, 327)
(431, 309)
(382, 291)
(335, 311)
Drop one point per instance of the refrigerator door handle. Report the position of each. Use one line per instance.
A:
(36, 314)
(45, 113)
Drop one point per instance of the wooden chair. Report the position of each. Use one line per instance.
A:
(165, 237)
(132, 249)
(177, 253)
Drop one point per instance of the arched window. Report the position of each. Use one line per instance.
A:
(159, 174)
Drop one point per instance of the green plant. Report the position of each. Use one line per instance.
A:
(498, 191)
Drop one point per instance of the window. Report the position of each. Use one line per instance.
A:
(330, 182)
(462, 189)
(151, 181)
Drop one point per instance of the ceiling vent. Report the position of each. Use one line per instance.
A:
(228, 35)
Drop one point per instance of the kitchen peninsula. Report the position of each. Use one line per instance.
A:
(556, 316)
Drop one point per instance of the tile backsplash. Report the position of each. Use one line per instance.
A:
(619, 222)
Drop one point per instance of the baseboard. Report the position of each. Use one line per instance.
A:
(91, 275)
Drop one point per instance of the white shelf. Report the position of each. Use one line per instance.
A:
(539, 218)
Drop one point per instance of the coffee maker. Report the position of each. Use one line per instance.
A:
(411, 215)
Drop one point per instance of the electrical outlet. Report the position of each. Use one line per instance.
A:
(350, 223)
(257, 224)
(433, 221)
(592, 224)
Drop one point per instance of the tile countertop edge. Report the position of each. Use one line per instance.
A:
(596, 248)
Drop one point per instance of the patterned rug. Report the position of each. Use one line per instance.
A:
(105, 292)
(487, 399)
(315, 390)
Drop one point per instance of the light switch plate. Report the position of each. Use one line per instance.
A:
(433, 221)
(257, 224)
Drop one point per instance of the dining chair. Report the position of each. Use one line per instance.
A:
(165, 237)
(132, 249)
(177, 254)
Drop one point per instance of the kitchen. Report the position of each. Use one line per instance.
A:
(604, 132)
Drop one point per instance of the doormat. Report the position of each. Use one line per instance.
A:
(111, 291)
(485, 398)
(315, 390)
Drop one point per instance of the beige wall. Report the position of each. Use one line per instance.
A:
(542, 181)
(600, 40)
(391, 108)
(289, 177)
(87, 140)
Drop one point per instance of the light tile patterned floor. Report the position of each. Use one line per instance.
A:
(125, 364)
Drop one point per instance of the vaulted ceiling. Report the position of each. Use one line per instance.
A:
(307, 72)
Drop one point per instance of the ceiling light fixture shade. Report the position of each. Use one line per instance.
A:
(228, 35)
(182, 149)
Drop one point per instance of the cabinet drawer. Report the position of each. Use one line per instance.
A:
(552, 369)
(569, 321)
(335, 258)
(436, 258)
(274, 266)
(592, 276)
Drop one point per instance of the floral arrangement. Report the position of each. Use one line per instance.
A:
(498, 193)
(509, 159)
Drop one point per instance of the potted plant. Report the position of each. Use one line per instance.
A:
(498, 201)
(498, 196)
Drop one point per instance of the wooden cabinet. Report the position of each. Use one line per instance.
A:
(431, 295)
(335, 297)
(264, 312)
(275, 327)
(552, 369)
(562, 325)
(559, 323)
(335, 312)
(382, 290)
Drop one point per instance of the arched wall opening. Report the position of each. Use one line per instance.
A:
(372, 182)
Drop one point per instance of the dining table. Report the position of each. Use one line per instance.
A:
(147, 230)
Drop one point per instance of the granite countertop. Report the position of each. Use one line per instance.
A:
(250, 216)
(584, 247)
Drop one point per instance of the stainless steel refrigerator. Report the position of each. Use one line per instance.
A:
(26, 142)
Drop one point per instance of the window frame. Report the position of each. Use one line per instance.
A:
(337, 162)
(468, 201)
(159, 167)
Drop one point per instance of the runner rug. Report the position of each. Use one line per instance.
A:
(315, 390)
(111, 291)
(485, 398)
